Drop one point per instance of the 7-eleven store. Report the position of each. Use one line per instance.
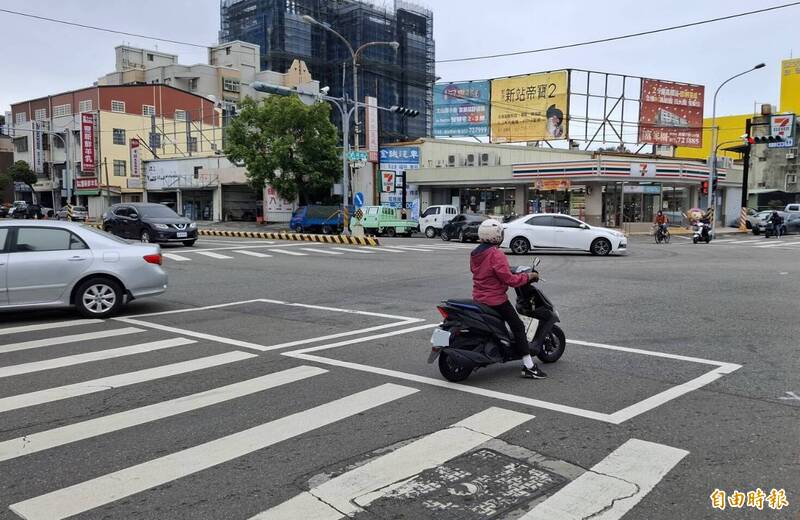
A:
(622, 192)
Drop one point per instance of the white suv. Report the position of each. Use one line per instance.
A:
(433, 219)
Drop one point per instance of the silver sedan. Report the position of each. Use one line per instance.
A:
(57, 264)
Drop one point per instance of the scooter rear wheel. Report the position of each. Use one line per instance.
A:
(451, 369)
(554, 345)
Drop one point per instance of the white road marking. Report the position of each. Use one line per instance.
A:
(102, 490)
(749, 241)
(36, 442)
(323, 251)
(49, 364)
(683, 237)
(391, 250)
(346, 494)
(613, 486)
(354, 250)
(723, 241)
(62, 340)
(410, 248)
(48, 326)
(214, 255)
(790, 396)
(252, 253)
(177, 258)
(193, 334)
(284, 252)
(49, 395)
(235, 242)
(776, 244)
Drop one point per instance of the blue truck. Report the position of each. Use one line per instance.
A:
(315, 219)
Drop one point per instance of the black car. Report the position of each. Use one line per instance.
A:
(463, 227)
(149, 223)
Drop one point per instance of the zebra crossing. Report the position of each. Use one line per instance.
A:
(787, 243)
(85, 343)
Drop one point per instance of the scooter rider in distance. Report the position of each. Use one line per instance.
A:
(491, 278)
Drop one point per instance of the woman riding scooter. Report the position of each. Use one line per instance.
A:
(491, 278)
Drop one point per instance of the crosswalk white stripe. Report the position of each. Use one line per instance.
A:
(48, 326)
(49, 395)
(723, 241)
(390, 250)
(361, 486)
(354, 250)
(49, 364)
(323, 251)
(410, 248)
(99, 491)
(177, 258)
(36, 442)
(213, 255)
(776, 244)
(749, 241)
(614, 485)
(61, 340)
(252, 253)
(285, 252)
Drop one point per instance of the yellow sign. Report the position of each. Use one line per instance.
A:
(552, 184)
(530, 108)
(790, 86)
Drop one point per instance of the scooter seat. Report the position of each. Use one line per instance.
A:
(473, 305)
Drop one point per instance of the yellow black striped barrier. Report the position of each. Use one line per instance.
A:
(302, 237)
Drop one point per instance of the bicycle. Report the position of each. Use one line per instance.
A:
(661, 234)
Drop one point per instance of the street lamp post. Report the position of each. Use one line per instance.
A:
(714, 131)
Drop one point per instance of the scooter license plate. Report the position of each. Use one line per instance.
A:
(531, 324)
(440, 338)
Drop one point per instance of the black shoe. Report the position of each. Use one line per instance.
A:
(533, 373)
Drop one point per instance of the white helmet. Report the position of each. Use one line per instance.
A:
(490, 231)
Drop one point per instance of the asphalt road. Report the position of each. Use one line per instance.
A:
(297, 367)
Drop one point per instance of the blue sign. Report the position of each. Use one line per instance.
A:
(400, 157)
(461, 109)
(354, 156)
(358, 199)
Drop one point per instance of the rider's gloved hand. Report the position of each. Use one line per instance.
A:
(533, 276)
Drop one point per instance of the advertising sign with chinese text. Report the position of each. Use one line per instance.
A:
(136, 158)
(530, 108)
(782, 125)
(671, 113)
(38, 147)
(387, 177)
(372, 127)
(400, 158)
(86, 183)
(461, 109)
(88, 163)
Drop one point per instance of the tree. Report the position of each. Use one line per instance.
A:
(286, 144)
(21, 172)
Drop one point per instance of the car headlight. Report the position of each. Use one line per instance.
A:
(193, 225)
(160, 226)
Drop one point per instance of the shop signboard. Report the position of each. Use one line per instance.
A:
(372, 128)
(552, 184)
(399, 158)
(88, 163)
(38, 147)
(136, 158)
(86, 183)
(274, 202)
(532, 107)
(643, 169)
(647, 189)
(782, 125)
(461, 109)
(388, 181)
(671, 113)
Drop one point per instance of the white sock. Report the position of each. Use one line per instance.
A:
(527, 360)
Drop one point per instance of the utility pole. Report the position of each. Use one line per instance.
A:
(108, 187)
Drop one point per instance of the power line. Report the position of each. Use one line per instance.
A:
(622, 37)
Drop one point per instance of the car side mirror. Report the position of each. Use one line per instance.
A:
(134, 216)
(584, 226)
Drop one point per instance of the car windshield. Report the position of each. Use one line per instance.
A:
(157, 211)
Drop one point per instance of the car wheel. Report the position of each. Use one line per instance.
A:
(444, 235)
(748, 225)
(390, 232)
(107, 229)
(327, 230)
(189, 243)
(145, 236)
(297, 229)
(430, 232)
(519, 246)
(461, 237)
(600, 247)
(98, 298)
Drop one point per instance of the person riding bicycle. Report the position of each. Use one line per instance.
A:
(661, 222)
(491, 278)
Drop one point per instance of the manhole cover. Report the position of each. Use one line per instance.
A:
(478, 485)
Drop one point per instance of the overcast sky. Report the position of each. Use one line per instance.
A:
(43, 58)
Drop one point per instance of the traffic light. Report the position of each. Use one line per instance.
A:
(764, 140)
(705, 187)
(403, 111)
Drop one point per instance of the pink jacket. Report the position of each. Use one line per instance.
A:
(492, 276)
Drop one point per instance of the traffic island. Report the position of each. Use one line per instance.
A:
(299, 237)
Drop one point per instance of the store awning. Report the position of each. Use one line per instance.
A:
(759, 191)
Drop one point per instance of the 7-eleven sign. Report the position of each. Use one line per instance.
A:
(782, 125)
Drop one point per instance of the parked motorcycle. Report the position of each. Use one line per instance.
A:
(702, 232)
(473, 335)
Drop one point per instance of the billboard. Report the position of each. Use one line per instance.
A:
(38, 147)
(87, 143)
(671, 113)
(399, 158)
(782, 125)
(372, 128)
(461, 109)
(790, 85)
(530, 108)
(136, 158)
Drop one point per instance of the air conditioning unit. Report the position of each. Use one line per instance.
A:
(484, 159)
(452, 161)
(790, 156)
(791, 179)
(470, 159)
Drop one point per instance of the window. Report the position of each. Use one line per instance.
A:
(197, 171)
(149, 57)
(117, 106)
(192, 144)
(227, 51)
(180, 115)
(3, 236)
(21, 144)
(451, 211)
(433, 210)
(62, 110)
(122, 211)
(148, 110)
(542, 220)
(230, 85)
(120, 168)
(192, 84)
(119, 136)
(45, 239)
(567, 222)
(85, 105)
(40, 114)
(20, 117)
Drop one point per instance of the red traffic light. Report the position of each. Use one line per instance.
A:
(705, 187)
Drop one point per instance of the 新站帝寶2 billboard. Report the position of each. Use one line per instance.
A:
(461, 109)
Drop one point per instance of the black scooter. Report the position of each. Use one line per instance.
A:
(473, 335)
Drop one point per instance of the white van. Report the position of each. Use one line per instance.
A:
(433, 219)
(792, 208)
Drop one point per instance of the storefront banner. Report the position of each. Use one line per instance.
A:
(136, 158)
(552, 184)
(671, 113)
(86, 183)
(388, 181)
(647, 189)
(461, 109)
(643, 169)
(372, 128)
(782, 126)
(399, 158)
(530, 108)
(88, 163)
(38, 147)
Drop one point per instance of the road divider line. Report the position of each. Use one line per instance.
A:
(346, 494)
(99, 491)
(50, 395)
(654, 353)
(177, 258)
(252, 253)
(36, 442)
(341, 334)
(193, 334)
(367, 338)
(50, 364)
(63, 340)
(322, 251)
(286, 252)
(346, 311)
(48, 326)
(211, 254)
(353, 250)
(614, 485)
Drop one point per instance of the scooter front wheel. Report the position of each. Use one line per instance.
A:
(554, 345)
(451, 369)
